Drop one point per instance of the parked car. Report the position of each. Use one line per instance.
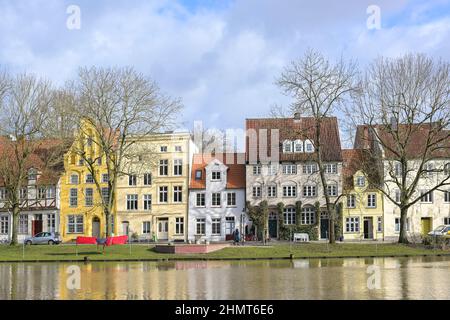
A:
(44, 238)
(441, 231)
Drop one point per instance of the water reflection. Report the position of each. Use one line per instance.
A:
(403, 278)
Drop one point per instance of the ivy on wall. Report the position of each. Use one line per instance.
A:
(285, 232)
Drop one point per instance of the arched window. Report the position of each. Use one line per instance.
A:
(298, 146)
(287, 146)
(308, 215)
(309, 147)
(289, 215)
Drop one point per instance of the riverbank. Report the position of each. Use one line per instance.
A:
(135, 252)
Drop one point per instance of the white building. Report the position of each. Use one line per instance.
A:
(217, 197)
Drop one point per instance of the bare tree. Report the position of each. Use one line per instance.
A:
(122, 106)
(319, 89)
(23, 111)
(404, 112)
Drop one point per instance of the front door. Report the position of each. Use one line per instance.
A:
(368, 228)
(273, 225)
(324, 225)
(96, 227)
(125, 228)
(427, 225)
(163, 229)
(36, 226)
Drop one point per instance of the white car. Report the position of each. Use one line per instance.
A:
(440, 231)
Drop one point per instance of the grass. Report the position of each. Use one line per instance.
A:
(277, 251)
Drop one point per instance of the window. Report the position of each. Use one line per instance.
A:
(289, 169)
(132, 180)
(332, 190)
(147, 179)
(105, 194)
(178, 149)
(42, 192)
(215, 226)
(178, 167)
(2, 193)
(164, 167)
(201, 226)
(397, 224)
(177, 194)
(74, 179)
(310, 168)
(289, 215)
(200, 200)
(146, 227)
(132, 201)
(4, 225)
(32, 175)
(398, 169)
(361, 181)
(163, 149)
(73, 198)
(429, 168)
(397, 196)
(23, 224)
(23, 193)
(272, 191)
(426, 197)
(179, 225)
(215, 175)
(309, 191)
(81, 162)
(89, 141)
(289, 191)
(75, 224)
(147, 202)
(272, 170)
(351, 201)
(371, 200)
(163, 194)
(105, 178)
(89, 178)
(89, 197)
(308, 215)
(447, 169)
(99, 161)
(309, 147)
(51, 222)
(298, 146)
(50, 192)
(287, 146)
(380, 224)
(330, 168)
(216, 199)
(256, 170)
(447, 196)
(352, 224)
(198, 174)
(447, 220)
(231, 199)
(256, 191)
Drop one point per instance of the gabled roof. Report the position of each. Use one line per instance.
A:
(296, 129)
(414, 136)
(235, 172)
(355, 160)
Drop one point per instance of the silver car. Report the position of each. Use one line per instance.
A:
(43, 238)
(441, 231)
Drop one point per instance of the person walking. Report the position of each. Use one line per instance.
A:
(237, 237)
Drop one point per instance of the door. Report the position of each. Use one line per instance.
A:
(273, 224)
(96, 227)
(125, 228)
(368, 228)
(324, 225)
(36, 227)
(163, 229)
(427, 225)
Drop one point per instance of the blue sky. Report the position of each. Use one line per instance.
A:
(220, 56)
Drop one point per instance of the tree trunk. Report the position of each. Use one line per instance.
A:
(15, 224)
(108, 223)
(403, 215)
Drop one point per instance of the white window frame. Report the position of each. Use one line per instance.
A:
(272, 191)
(351, 201)
(178, 167)
(352, 225)
(177, 194)
(289, 216)
(216, 199)
(289, 191)
(200, 199)
(147, 202)
(132, 202)
(289, 169)
(371, 200)
(231, 199)
(308, 215)
(163, 194)
(309, 191)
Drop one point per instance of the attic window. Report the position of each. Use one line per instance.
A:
(361, 181)
(287, 146)
(298, 146)
(309, 147)
(32, 175)
(198, 174)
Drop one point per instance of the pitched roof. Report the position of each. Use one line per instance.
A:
(355, 160)
(235, 173)
(413, 136)
(292, 129)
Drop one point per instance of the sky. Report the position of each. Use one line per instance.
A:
(221, 57)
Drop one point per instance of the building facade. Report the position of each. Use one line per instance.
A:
(281, 168)
(362, 203)
(152, 198)
(217, 197)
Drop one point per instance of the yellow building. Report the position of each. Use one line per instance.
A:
(81, 206)
(362, 207)
(152, 199)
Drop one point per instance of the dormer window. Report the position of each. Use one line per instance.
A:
(298, 146)
(32, 174)
(216, 175)
(74, 179)
(198, 175)
(309, 147)
(361, 181)
(287, 146)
